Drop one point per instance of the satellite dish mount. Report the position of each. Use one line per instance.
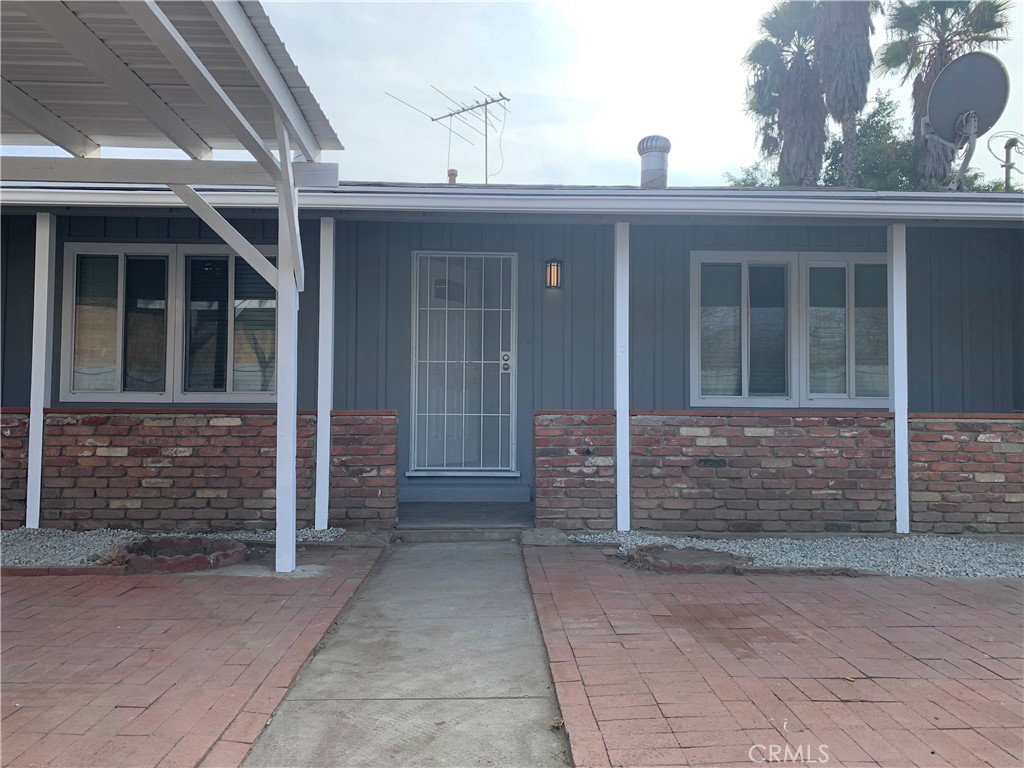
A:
(966, 100)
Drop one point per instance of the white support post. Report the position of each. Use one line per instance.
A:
(325, 373)
(622, 420)
(287, 406)
(42, 341)
(900, 378)
(287, 361)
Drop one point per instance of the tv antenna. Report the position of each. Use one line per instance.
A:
(462, 112)
(966, 100)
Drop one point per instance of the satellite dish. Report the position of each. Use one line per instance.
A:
(966, 100)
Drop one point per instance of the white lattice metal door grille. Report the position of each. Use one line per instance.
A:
(464, 363)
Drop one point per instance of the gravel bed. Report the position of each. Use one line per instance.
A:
(51, 546)
(910, 555)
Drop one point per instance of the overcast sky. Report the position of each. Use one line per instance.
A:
(586, 80)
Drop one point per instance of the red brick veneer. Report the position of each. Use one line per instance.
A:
(202, 471)
(967, 473)
(13, 467)
(718, 472)
(574, 470)
(364, 469)
(763, 472)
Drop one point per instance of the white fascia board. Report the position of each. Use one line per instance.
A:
(129, 171)
(82, 43)
(238, 29)
(159, 29)
(883, 206)
(51, 127)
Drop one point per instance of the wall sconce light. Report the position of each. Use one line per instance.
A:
(553, 273)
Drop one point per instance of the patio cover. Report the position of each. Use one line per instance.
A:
(192, 76)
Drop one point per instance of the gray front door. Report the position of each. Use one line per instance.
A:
(464, 363)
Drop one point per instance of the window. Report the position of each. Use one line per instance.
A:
(789, 329)
(126, 308)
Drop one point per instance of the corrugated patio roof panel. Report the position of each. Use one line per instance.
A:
(40, 66)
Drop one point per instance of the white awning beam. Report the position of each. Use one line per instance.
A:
(235, 240)
(288, 204)
(238, 29)
(159, 29)
(51, 127)
(67, 29)
(227, 173)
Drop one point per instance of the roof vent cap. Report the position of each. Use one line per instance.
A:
(653, 151)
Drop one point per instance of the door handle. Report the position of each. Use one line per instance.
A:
(507, 361)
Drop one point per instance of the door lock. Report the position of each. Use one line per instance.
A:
(507, 361)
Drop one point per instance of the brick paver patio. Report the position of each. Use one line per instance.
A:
(665, 669)
(164, 670)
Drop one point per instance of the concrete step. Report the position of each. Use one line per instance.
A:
(452, 535)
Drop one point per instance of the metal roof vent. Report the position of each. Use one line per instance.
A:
(653, 152)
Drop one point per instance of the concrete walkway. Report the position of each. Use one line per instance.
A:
(438, 661)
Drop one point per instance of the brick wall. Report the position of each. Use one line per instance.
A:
(763, 472)
(201, 471)
(574, 470)
(364, 471)
(13, 467)
(967, 474)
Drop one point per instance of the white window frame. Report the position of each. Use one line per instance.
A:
(798, 264)
(174, 390)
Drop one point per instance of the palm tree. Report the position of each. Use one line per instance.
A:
(842, 47)
(923, 38)
(784, 94)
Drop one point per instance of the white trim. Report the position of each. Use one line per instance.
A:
(238, 29)
(798, 265)
(461, 473)
(883, 206)
(44, 122)
(900, 372)
(82, 43)
(623, 520)
(162, 33)
(512, 469)
(324, 373)
(42, 341)
(112, 170)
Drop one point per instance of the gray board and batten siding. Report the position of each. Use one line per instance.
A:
(966, 321)
(968, 360)
(17, 264)
(564, 336)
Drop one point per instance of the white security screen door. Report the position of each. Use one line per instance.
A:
(464, 363)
